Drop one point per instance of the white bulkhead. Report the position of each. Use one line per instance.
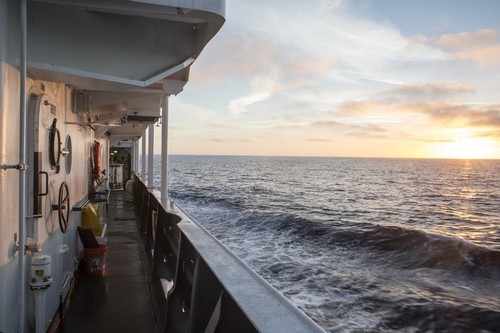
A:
(46, 101)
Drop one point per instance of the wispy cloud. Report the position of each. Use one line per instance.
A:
(458, 114)
(368, 131)
(328, 45)
(430, 91)
(265, 67)
(316, 139)
(327, 124)
(229, 140)
(261, 90)
(247, 54)
(445, 113)
(361, 107)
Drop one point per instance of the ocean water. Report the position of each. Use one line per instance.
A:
(360, 245)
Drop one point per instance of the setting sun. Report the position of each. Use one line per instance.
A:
(467, 148)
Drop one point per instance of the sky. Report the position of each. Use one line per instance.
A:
(359, 78)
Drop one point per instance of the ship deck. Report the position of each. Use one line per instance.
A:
(119, 301)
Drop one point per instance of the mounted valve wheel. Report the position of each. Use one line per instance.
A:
(63, 206)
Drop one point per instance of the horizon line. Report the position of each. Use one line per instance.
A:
(324, 156)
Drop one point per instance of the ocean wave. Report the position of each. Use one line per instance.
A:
(408, 248)
(442, 318)
(199, 196)
(404, 246)
(416, 249)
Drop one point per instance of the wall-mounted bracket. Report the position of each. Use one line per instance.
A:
(20, 167)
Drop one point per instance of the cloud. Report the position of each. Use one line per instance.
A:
(289, 126)
(247, 54)
(481, 47)
(238, 55)
(442, 114)
(327, 124)
(462, 114)
(260, 65)
(485, 57)
(239, 105)
(494, 134)
(483, 117)
(368, 131)
(467, 39)
(361, 107)
(186, 116)
(363, 130)
(321, 140)
(303, 47)
(429, 91)
(406, 97)
(373, 128)
(229, 140)
(446, 113)
(262, 88)
(304, 65)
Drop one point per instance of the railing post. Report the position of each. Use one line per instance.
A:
(164, 149)
(135, 163)
(133, 156)
(22, 171)
(151, 134)
(170, 87)
(143, 157)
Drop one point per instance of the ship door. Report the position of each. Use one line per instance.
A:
(34, 156)
(41, 112)
(43, 152)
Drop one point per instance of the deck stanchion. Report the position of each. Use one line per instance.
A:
(135, 155)
(164, 148)
(151, 134)
(143, 156)
(22, 171)
(170, 87)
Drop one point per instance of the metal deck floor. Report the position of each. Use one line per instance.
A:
(118, 302)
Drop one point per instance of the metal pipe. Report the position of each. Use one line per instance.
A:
(22, 171)
(143, 156)
(10, 166)
(164, 150)
(134, 156)
(105, 161)
(136, 165)
(151, 134)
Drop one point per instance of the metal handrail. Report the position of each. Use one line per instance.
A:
(197, 268)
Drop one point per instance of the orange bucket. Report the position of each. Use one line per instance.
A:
(94, 260)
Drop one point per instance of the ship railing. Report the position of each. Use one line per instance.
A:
(197, 285)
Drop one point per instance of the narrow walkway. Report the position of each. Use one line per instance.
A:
(118, 302)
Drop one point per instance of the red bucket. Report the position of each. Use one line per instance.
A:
(94, 260)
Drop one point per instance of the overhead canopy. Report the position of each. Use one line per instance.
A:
(108, 46)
